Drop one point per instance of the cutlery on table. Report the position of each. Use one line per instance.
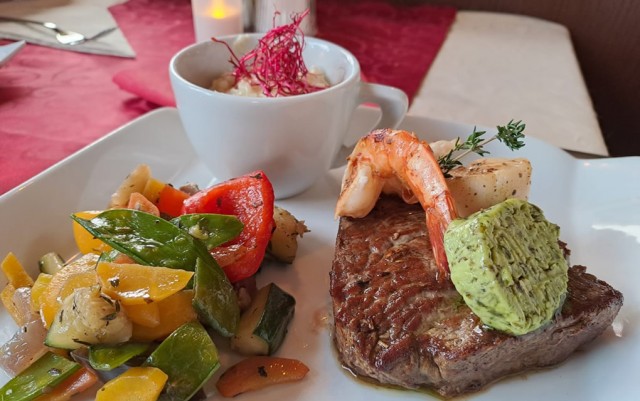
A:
(63, 36)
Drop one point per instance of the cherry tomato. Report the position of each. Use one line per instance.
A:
(249, 198)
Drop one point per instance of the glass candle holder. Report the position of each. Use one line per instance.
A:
(272, 13)
(213, 18)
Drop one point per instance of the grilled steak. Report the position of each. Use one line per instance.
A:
(397, 324)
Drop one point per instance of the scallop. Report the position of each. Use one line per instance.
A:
(487, 182)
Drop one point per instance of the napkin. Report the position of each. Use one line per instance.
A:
(10, 50)
(150, 83)
(395, 45)
(496, 67)
(88, 17)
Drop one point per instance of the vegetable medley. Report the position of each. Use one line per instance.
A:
(157, 271)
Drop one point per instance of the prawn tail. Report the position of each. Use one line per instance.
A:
(436, 227)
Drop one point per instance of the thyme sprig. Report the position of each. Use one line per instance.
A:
(511, 135)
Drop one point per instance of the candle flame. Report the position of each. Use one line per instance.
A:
(220, 9)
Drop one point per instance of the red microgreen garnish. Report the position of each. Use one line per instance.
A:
(276, 64)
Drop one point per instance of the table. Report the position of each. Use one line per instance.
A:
(43, 118)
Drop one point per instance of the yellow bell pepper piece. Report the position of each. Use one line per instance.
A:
(77, 274)
(16, 275)
(85, 241)
(137, 383)
(134, 284)
(147, 315)
(7, 300)
(174, 312)
(38, 289)
(152, 189)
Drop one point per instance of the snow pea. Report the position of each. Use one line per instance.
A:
(212, 229)
(43, 375)
(81, 355)
(146, 238)
(109, 357)
(110, 256)
(207, 298)
(189, 357)
(151, 240)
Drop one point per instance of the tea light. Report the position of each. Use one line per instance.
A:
(216, 18)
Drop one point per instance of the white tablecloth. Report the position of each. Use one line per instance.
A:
(496, 67)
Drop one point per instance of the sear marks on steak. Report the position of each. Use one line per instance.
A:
(397, 324)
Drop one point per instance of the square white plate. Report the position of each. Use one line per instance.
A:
(596, 203)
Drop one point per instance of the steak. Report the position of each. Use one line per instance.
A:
(396, 323)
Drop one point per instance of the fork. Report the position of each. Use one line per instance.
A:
(62, 36)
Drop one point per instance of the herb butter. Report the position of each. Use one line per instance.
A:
(507, 264)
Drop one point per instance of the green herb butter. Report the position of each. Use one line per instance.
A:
(508, 266)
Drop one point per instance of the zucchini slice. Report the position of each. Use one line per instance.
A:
(88, 317)
(263, 326)
(50, 263)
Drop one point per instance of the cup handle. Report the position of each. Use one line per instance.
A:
(393, 103)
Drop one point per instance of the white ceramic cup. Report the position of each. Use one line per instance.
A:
(294, 139)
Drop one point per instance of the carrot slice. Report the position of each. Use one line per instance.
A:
(78, 382)
(167, 198)
(137, 201)
(258, 372)
(170, 200)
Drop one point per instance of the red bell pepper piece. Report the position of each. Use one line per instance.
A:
(250, 198)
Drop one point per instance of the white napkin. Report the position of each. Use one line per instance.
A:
(10, 50)
(87, 17)
(494, 67)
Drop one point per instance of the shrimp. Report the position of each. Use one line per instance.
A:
(396, 161)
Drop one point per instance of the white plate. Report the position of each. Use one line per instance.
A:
(8, 51)
(596, 202)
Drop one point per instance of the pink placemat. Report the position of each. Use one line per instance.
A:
(54, 102)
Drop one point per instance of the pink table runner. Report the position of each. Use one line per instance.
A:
(395, 45)
(54, 102)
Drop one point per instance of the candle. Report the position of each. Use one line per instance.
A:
(216, 18)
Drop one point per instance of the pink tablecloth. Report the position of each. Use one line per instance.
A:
(54, 102)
